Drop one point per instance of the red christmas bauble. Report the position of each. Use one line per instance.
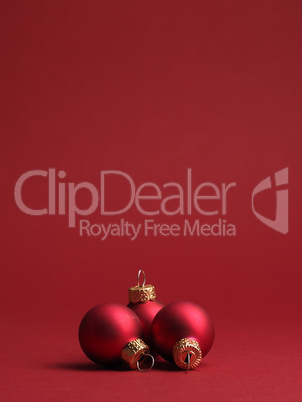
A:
(106, 330)
(146, 313)
(181, 328)
(143, 302)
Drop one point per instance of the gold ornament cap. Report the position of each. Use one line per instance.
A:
(141, 293)
(187, 354)
(134, 352)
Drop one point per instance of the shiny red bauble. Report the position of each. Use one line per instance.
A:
(105, 331)
(178, 321)
(146, 313)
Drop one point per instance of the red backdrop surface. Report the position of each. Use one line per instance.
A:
(151, 88)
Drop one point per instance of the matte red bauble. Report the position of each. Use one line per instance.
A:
(146, 313)
(143, 302)
(183, 333)
(111, 332)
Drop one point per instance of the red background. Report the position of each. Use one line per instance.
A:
(151, 88)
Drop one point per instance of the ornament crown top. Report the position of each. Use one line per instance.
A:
(141, 293)
(135, 352)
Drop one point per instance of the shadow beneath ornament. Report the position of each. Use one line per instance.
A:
(84, 367)
(160, 365)
(163, 365)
